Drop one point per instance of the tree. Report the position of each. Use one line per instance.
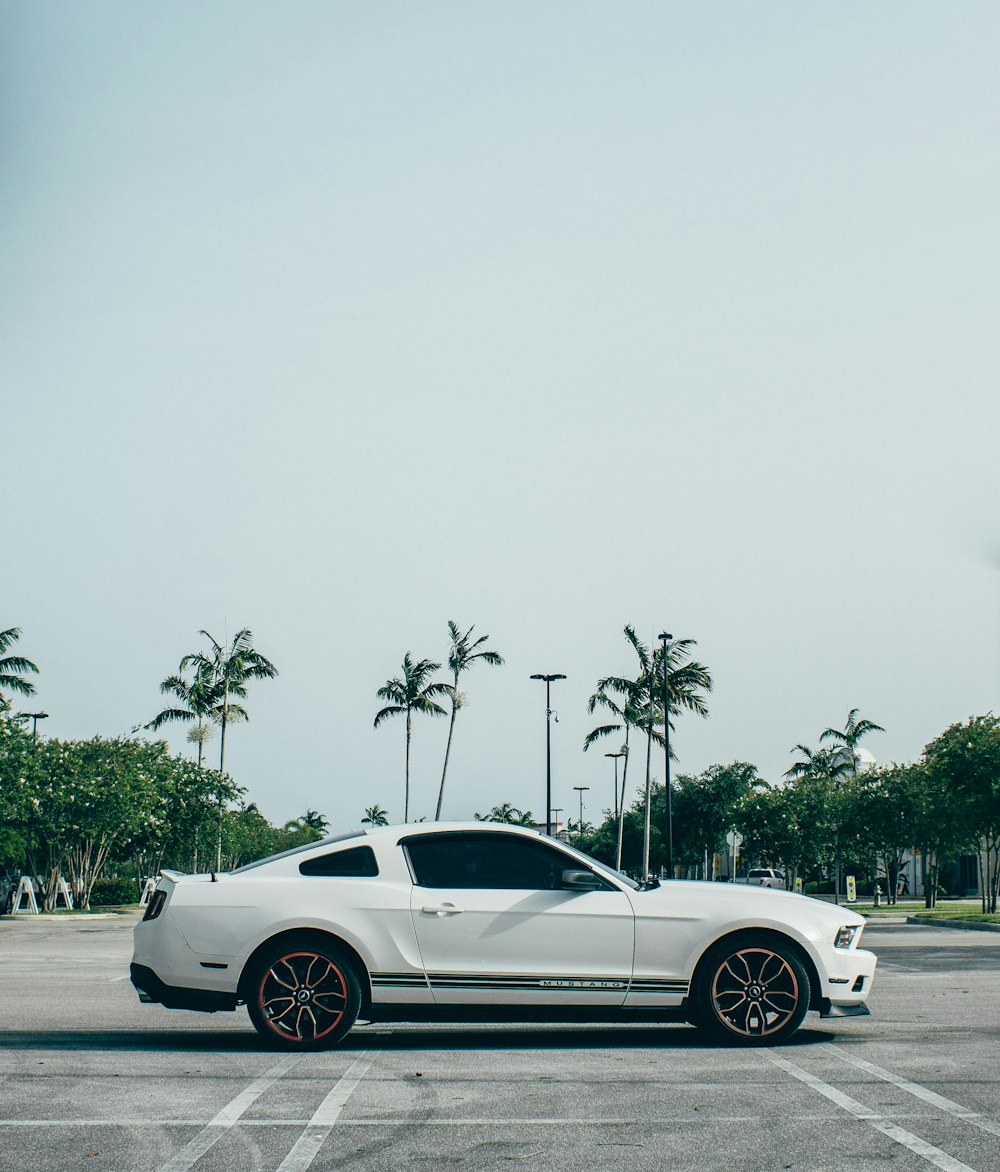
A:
(846, 740)
(413, 692)
(880, 817)
(315, 821)
(962, 792)
(817, 765)
(375, 816)
(508, 814)
(687, 682)
(462, 654)
(201, 700)
(707, 807)
(626, 710)
(229, 669)
(13, 668)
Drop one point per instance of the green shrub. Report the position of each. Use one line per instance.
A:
(111, 892)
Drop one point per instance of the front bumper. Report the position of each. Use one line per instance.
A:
(152, 990)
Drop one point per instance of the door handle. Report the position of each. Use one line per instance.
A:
(442, 909)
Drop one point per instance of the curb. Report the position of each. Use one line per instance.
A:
(968, 925)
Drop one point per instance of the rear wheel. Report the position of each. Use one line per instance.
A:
(303, 995)
(752, 991)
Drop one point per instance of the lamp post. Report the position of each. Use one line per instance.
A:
(556, 810)
(35, 718)
(548, 745)
(581, 789)
(616, 756)
(668, 833)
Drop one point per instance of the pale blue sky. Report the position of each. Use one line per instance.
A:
(342, 320)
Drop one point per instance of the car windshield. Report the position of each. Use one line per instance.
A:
(297, 850)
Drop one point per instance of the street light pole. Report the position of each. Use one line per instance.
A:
(581, 790)
(548, 745)
(668, 835)
(35, 718)
(616, 756)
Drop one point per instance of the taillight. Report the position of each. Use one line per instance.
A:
(155, 905)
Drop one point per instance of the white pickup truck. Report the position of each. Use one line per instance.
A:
(766, 877)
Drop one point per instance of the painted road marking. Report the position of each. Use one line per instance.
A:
(984, 1122)
(327, 1113)
(469, 1121)
(230, 1114)
(937, 1157)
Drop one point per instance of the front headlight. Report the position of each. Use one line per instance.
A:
(846, 935)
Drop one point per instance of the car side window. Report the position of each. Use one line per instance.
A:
(486, 860)
(356, 863)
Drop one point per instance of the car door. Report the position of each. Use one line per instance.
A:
(495, 924)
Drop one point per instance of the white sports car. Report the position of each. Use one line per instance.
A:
(474, 922)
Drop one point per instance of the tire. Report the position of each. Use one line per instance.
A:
(751, 991)
(303, 995)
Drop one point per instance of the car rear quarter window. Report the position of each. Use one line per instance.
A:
(485, 861)
(357, 863)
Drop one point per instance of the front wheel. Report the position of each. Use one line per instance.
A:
(303, 996)
(751, 992)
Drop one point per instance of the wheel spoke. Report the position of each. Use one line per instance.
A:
(266, 1005)
(781, 967)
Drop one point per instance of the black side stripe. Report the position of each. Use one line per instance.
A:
(555, 983)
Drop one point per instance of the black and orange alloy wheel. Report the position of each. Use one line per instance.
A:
(753, 992)
(304, 997)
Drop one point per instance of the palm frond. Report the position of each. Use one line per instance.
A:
(385, 713)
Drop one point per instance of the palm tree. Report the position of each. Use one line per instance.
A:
(315, 821)
(375, 816)
(13, 668)
(687, 682)
(229, 669)
(816, 765)
(461, 656)
(846, 740)
(508, 814)
(414, 692)
(200, 699)
(628, 718)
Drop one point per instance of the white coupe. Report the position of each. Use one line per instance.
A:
(482, 922)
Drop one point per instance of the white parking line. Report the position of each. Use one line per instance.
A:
(327, 1113)
(900, 1135)
(984, 1122)
(230, 1114)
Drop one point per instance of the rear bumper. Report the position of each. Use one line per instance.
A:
(152, 990)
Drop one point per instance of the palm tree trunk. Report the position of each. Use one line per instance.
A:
(406, 800)
(621, 805)
(447, 751)
(225, 716)
(201, 740)
(646, 816)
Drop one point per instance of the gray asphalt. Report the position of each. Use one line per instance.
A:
(91, 1079)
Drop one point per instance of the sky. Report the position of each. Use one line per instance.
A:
(341, 320)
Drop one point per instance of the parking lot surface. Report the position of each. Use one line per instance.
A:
(91, 1079)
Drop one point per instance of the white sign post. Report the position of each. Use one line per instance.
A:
(735, 840)
(147, 892)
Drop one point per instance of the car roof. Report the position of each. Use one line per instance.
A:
(409, 828)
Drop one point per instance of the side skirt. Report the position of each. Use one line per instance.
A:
(525, 1013)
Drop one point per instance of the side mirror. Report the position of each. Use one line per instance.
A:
(580, 881)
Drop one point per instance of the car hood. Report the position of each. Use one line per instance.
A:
(681, 898)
